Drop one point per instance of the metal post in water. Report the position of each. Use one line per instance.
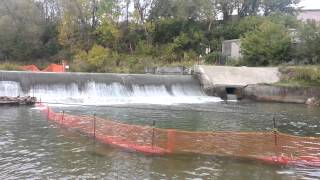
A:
(48, 115)
(32, 89)
(153, 126)
(62, 117)
(275, 131)
(94, 126)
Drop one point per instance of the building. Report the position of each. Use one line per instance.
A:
(231, 49)
(309, 14)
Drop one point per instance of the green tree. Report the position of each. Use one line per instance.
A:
(108, 34)
(284, 6)
(92, 61)
(308, 46)
(267, 45)
(21, 27)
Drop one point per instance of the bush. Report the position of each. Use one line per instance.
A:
(213, 58)
(93, 61)
(301, 75)
(267, 45)
(308, 48)
(10, 67)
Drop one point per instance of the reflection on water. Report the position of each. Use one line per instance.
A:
(31, 147)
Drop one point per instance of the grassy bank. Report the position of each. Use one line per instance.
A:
(9, 67)
(300, 76)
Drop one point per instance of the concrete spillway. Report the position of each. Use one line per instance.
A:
(88, 88)
(237, 76)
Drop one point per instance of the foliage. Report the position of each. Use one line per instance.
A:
(126, 35)
(300, 75)
(267, 45)
(108, 34)
(308, 49)
(213, 58)
(10, 67)
(94, 60)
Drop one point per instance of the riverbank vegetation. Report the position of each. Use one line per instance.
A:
(300, 76)
(9, 67)
(128, 35)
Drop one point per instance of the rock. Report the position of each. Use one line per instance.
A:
(28, 100)
(313, 101)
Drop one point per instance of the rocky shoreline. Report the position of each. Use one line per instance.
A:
(27, 100)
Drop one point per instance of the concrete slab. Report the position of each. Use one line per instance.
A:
(236, 76)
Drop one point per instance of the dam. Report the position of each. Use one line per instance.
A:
(98, 89)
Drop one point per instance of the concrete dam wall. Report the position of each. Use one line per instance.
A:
(104, 88)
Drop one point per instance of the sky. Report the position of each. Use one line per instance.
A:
(310, 4)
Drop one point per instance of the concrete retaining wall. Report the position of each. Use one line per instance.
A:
(269, 93)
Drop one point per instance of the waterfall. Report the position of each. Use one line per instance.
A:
(103, 89)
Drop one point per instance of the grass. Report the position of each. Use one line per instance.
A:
(10, 67)
(296, 76)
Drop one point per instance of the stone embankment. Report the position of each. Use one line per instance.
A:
(4, 100)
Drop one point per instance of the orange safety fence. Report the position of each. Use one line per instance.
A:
(32, 67)
(270, 147)
(54, 68)
(50, 68)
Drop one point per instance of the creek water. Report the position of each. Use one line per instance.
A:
(32, 147)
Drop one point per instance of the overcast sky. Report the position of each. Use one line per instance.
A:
(310, 4)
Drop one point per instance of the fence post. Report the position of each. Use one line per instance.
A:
(275, 131)
(62, 118)
(152, 140)
(94, 126)
(48, 113)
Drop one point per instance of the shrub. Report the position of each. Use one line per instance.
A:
(267, 45)
(10, 67)
(301, 75)
(94, 60)
(213, 58)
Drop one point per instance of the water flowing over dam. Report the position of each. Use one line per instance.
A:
(84, 88)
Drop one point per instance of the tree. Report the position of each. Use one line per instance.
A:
(76, 28)
(142, 11)
(247, 7)
(162, 9)
(308, 47)
(209, 11)
(267, 45)
(284, 6)
(21, 27)
(108, 34)
(94, 60)
(226, 7)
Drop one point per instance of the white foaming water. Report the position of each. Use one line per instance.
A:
(107, 94)
(9, 88)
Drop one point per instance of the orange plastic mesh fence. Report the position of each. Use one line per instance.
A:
(50, 68)
(274, 147)
(54, 68)
(32, 67)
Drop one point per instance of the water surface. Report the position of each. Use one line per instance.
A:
(31, 147)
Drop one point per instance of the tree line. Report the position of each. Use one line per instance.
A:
(126, 35)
